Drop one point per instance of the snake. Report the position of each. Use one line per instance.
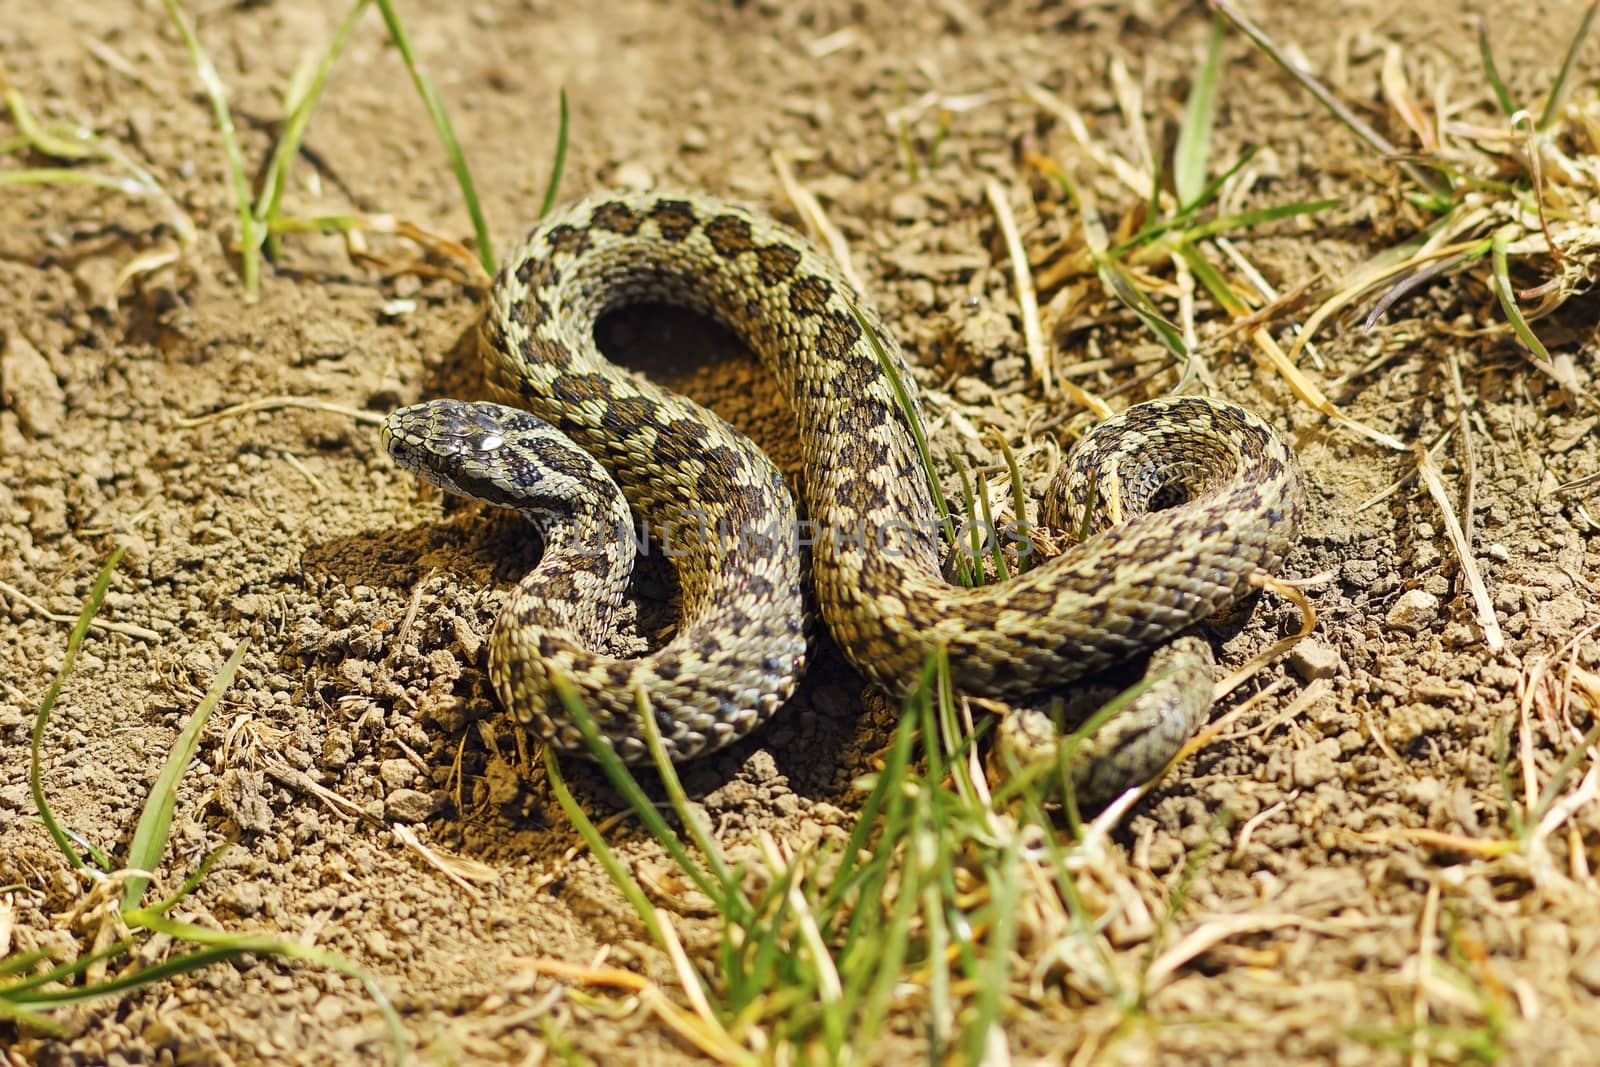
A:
(1184, 501)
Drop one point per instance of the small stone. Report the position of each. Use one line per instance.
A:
(634, 175)
(397, 773)
(1311, 659)
(379, 946)
(1409, 722)
(409, 805)
(1313, 766)
(1422, 792)
(243, 899)
(907, 207)
(1413, 611)
(694, 139)
(239, 794)
(47, 511)
(1565, 437)
(28, 387)
(970, 390)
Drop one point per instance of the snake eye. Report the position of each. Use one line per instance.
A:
(488, 442)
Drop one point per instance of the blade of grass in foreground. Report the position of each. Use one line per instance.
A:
(211, 82)
(91, 607)
(24, 999)
(447, 133)
(150, 836)
(1192, 154)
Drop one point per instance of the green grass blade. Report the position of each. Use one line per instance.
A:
(596, 843)
(559, 163)
(969, 569)
(626, 784)
(211, 83)
(1211, 279)
(1501, 94)
(1508, 301)
(22, 988)
(150, 836)
(21, 961)
(1005, 887)
(220, 946)
(1191, 157)
(1243, 220)
(69, 176)
(879, 799)
(909, 410)
(447, 134)
(729, 901)
(299, 116)
(1558, 89)
(1120, 284)
(28, 1019)
(1019, 506)
(41, 718)
(1002, 570)
(196, 876)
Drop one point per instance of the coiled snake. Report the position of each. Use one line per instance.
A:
(707, 495)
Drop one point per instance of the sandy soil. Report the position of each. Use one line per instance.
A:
(1358, 779)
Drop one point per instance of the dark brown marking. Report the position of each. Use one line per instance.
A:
(545, 350)
(536, 273)
(616, 217)
(749, 502)
(576, 388)
(674, 218)
(721, 465)
(809, 295)
(774, 263)
(493, 335)
(862, 453)
(558, 585)
(837, 334)
(691, 432)
(530, 311)
(730, 236)
(568, 239)
(626, 414)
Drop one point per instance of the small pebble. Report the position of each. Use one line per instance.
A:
(1315, 765)
(30, 387)
(1312, 659)
(243, 899)
(409, 805)
(634, 175)
(907, 207)
(397, 773)
(1413, 611)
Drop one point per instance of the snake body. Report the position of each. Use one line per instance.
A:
(710, 497)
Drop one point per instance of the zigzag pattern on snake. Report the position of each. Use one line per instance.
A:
(729, 520)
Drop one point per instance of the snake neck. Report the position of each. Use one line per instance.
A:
(582, 574)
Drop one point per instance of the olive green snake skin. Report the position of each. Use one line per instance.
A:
(1225, 486)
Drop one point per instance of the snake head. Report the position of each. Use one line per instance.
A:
(500, 455)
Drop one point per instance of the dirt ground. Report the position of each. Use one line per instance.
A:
(1359, 777)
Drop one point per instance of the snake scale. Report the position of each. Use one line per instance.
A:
(1187, 499)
